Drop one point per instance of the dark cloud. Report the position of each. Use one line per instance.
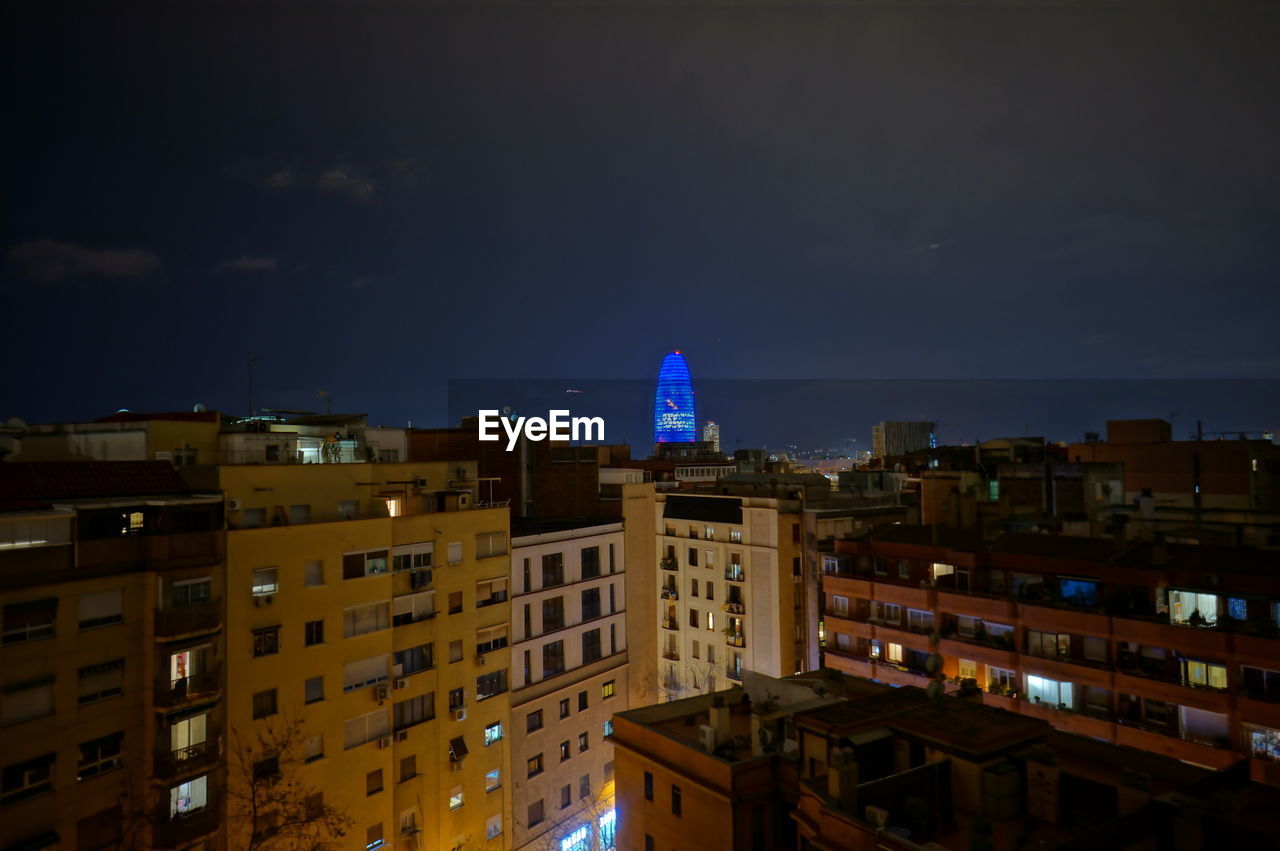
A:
(47, 261)
(250, 264)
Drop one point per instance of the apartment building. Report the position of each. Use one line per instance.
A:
(367, 633)
(1168, 648)
(569, 659)
(112, 676)
(821, 761)
(730, 590)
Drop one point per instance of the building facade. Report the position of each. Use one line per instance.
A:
(891, 437)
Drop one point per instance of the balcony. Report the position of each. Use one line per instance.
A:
(188, 620)
(987, 607)
(734, 608)
(668, 563)
(671, 655)
(1169, 743)
(735, 639)
(173, 831)
(735, 573)
(1062, 618)
(670, 623)
(836, 583)
(170, 763)
(907, 596)
(185, 689)
(154, 552)
(733, 673)
(669, 594)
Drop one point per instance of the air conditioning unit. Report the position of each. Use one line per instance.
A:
(878, 816)
(460, 714)
(402, 736)
(480, 659)
(266, 600)
(381, 693)
(464, 499)
(233, 504)
(384, 742)
(401, 683)
(421, 483)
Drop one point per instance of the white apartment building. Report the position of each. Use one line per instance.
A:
(730, 591)
(569, 675)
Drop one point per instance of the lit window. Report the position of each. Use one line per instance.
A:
(264, 581)
(492, 733)
(188, 796)
(492, 780)
(455, 798)
(607, 690)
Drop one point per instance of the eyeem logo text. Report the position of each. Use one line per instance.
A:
(559, 425)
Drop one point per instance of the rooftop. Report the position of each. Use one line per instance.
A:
(25, 482)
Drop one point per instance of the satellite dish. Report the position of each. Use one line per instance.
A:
(199, 409)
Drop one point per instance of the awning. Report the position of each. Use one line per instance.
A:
(457, 749)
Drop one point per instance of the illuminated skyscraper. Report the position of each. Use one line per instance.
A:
(711, 434)
(673, 414)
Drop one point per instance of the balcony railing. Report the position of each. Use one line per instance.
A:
(734, 607)
(735, 639)
(668, 564)
(169, 763)
(733, 673)
(670, 594)
(735, 573)
(172, 831)
(185, 620)
(671, 655)
(670, 623)
(179, 691)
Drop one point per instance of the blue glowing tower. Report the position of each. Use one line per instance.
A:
(673, 414)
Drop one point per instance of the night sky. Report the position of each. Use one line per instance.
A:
(374, 200)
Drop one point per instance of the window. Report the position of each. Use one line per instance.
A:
(314, 574)
(1048, 645)
(489, 685)
(191, 592)
(552, 658)
(676, 804)
(455, 602)
(608, 727)
(455, 552)
(26, 701)
(535, 765)
(264, 703)
(648, 842)
(893, 653)
(357, 565)
(711, 590)
(694, 618)
(566, 796)
(968, 669)
(607, 690)
(359, 620)
(412, 608)
(26, 779)
(455, 651)
(373, 782)
(839, 606)
(535, 813)
(590, 604)
(364, 672)
(99, 756)
(1001, 680)
(492, 733)
(408, 767)
(582, 701)
(491, 544)
(314, 632)
(552, 613)
(891, 613)
(564, 751)
(919, 620)
(564, 707)
(299, 514)
(735, 536)
(414, 659)
(1051, 692)
(264, 581)
(313, 749)
(314, 689)
(415, 710)
(102, 609)
(552, 570)
(583, 742)
(693, 588)
(457, 698)
(365, 728)
(373, 837)
(255, 518)
(590, 646)
(1190, 608)
(455, 797)
(533, 721)
(693, 556)
(1204, 674)
(99, 682)
(266, 642)
(493, 827)
(648, 786)
(189, 796)
(590, 562)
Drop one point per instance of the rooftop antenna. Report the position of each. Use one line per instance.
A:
(253, 359)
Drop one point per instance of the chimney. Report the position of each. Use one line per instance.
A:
(720, 719)
(842, 779)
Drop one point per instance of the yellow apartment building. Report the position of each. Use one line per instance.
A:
(367, 632)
